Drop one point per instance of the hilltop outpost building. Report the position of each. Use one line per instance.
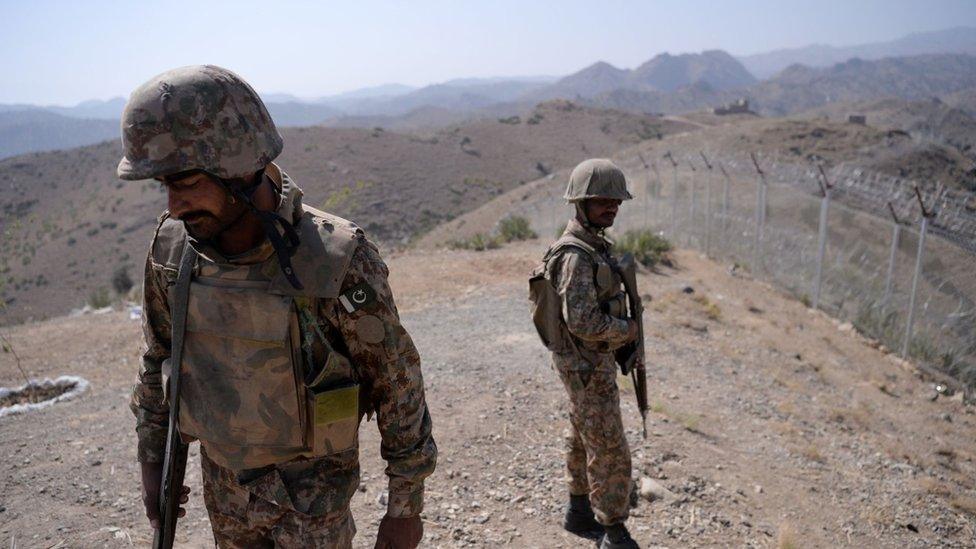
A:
(739, 106)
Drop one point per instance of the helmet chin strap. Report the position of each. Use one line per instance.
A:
(284, 247)
(585, 221)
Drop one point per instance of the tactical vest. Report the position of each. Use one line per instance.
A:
(547, 312)
(245, 390)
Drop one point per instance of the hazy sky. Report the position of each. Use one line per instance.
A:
(63, 52)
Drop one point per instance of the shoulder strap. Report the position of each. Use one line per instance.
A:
(181, 301)
(568, 242)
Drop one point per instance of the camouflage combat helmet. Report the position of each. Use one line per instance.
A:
(597, 178)
(200, 117)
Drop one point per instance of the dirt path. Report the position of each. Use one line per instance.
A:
(771, 424)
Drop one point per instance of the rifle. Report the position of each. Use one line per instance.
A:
(174, 462)
(630, 357)
(174, 469)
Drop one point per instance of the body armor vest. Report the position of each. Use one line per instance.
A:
(245, 390)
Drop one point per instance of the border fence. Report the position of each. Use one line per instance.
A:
(896, 259)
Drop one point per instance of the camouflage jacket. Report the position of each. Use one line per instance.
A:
(575, 277)
(384, 358)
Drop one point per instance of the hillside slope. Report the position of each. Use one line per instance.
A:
(66, 218)
(770, 424)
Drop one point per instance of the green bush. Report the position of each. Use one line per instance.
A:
(648, 248)
(99, 298)
(121, 281)
(514, 228)
(479, 243)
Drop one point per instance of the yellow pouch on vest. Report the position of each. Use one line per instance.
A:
(334, 419)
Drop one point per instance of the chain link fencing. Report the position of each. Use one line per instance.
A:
(844, 240)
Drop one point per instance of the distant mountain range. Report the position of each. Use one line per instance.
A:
(110, 109)
(31, 130)
(955, 40)
(792, 80)
(663, 73)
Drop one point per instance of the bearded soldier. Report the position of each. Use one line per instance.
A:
(284, 323)
(583, 321)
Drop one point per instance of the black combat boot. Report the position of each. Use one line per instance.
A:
(617, 537)
(580, 519)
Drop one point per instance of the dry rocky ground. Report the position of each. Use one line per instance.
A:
(771, 424)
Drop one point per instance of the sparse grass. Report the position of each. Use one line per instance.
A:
(510, 229)
(648, 248)
(791, 384)
(786, 407)
(690, 422)
(345, 197)
(812, 453)
(858, 416)
(934, 487)
(711, 310)
(478, 242)
(878, 516)
(99, 298)
(965, 504)
(786, 538)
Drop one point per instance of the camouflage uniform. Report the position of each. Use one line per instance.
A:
(270, 496)
(597, 455)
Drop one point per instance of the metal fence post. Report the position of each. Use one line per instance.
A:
(895, 237)
(708, 205)
(647, 188)
(658, 183)
(726, 221)
(760, 215)
(553, 207)
(926, 214)
(692, 199)
(825, 187)
(674, 198)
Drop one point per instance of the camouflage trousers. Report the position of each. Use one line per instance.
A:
(242, 518)
(597, 454)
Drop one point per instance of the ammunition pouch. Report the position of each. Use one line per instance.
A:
(334, 414)
(615, 306)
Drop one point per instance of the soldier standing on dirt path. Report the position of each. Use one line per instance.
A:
(589, 325)
(291, 335)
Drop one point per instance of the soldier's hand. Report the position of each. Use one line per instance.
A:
(631, 330)
(152, 479)
(399, 533)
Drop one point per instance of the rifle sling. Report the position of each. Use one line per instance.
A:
(181, 300)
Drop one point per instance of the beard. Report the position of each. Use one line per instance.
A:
(203, 225)
(603, 222)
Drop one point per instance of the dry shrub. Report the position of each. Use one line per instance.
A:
(787, 538)
(934, 487)
(965, 504)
